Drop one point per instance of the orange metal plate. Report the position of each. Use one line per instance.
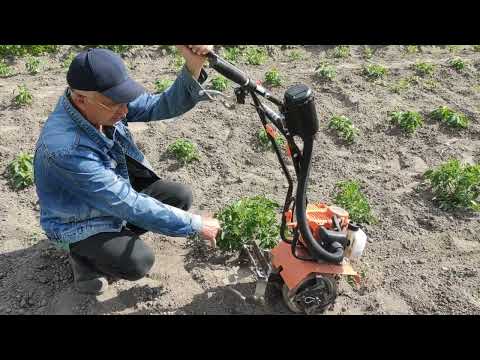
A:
(321, 215)
(295, 270)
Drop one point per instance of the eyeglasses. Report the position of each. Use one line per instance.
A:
(111, 108)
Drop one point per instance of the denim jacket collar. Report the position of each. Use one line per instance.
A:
(84, 124)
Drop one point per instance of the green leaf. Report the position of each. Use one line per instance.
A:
(351, 199)
(344, 127)
(450, 118)
(20, 171)
(408, 121)
(247, 220)
(184, 151)
(455, 185)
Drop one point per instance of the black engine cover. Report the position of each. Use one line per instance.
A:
(300, 113)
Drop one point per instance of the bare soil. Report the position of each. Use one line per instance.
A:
(419, 260)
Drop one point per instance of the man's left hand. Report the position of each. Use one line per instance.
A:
(195, 57)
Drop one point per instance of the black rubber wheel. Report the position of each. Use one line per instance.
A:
(313, 295)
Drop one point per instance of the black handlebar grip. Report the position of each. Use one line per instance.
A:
(228, 70)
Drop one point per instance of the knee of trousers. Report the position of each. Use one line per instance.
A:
(185, 196)
(139, 265)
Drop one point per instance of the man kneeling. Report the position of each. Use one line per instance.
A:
(97, 192)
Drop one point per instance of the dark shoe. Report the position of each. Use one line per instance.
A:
(87, 280)
(112, 279)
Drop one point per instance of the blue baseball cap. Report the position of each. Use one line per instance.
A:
(104, 71)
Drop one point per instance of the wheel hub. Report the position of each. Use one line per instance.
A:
(312, 296)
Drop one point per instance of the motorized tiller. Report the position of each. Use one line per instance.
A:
(318, 242)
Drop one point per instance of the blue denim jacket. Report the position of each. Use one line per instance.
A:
(81, 176)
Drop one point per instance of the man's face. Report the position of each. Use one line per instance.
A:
(100, 110)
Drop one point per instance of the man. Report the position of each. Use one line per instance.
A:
(97, 192)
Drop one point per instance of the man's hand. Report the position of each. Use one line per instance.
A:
(210, 230)
(195, 57)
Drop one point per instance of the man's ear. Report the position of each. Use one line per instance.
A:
(79, 100)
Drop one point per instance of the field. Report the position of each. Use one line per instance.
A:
(420, 258)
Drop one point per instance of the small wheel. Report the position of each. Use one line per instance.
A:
(313, 296)
(289, 300)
